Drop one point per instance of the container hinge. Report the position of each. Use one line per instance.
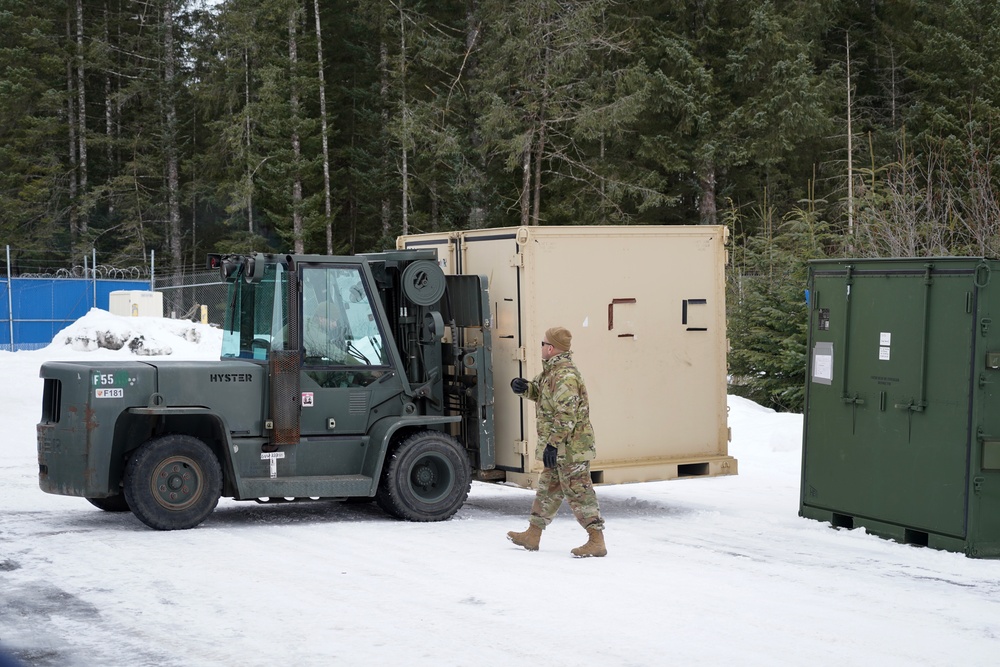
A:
(517, 260)
(984, 325)
(520, 355)
(977, 485)
(521, 447)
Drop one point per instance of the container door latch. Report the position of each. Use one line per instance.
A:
(855, 401)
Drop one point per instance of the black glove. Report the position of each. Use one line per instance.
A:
(549, 456)
(519, 385)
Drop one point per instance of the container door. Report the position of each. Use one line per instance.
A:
(984, 521)
(887, 427)
(492, 255)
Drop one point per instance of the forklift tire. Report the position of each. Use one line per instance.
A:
(116, 503)
(173, 482)
(427, 477)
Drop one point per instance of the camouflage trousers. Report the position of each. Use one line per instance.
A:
(569, 481)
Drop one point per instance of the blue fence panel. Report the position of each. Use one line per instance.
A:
(4, 316)
(44, 306)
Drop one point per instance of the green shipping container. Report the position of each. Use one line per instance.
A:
(902, 411)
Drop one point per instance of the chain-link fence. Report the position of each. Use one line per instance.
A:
(38, 298)
(184, 296)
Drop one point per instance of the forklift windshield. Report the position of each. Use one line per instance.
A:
(339, 325)
(256, 315)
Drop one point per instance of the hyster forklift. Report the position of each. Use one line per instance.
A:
(366, 376)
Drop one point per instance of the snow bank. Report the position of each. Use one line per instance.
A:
(142, 336)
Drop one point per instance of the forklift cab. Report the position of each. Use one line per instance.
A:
(322, 319)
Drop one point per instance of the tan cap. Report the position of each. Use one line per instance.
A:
(560, 338)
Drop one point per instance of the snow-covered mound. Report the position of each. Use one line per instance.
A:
(142, 336)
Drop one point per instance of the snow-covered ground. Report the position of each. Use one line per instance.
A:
(706, 572)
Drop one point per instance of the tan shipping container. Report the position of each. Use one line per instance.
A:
(646, 307)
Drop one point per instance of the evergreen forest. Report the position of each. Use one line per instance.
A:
(809, 128)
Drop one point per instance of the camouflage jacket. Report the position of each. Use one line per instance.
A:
(562, 410)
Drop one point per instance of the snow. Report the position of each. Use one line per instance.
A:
(699, 572)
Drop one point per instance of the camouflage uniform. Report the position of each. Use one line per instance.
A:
(562, 413)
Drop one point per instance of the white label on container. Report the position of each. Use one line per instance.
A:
(823, 367)
(885, 338)
(883, 353)
(822, 363)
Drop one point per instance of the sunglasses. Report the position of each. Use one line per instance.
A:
(544, 343)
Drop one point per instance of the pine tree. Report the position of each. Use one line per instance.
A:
(33, 187)
(767, 306)
(544, 98)
(741, 102)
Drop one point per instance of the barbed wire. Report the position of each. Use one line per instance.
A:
(131, 272)
(101, 271)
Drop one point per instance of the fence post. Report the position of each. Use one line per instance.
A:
(10, 300)
(152, 270)
(93, 267)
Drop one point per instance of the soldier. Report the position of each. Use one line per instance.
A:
(565, 446)
(324, 325)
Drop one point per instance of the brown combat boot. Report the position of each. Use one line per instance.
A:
(528, 539)
(593, 547)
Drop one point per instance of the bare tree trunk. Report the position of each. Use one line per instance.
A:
(893, 85)
(435, 205)
(293, 57)
(540, 150)
(850, 147)
(405, 112)
(81, 115)
(246, 119)
(74, 209)
(526, 184)
(194, 198)
(707, 211)
(603, 187)
(477, 210)
(327, 199)
(354, 216)
(537, 204)
(384, 92)
(405, 203)
(170, 139)
(108, 122)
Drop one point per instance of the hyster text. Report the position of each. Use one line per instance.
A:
(230, 377)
